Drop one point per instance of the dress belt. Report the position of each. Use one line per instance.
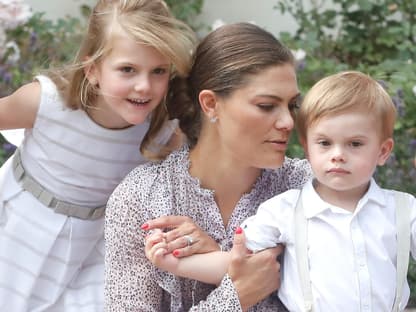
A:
(48, 199)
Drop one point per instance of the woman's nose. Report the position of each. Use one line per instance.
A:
(284, 120)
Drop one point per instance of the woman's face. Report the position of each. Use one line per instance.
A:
(255, 122)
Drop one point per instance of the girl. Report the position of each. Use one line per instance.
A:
(84, 125)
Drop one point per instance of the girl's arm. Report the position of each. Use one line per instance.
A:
(19, 109)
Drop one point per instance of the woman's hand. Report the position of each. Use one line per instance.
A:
(182, 235)
(255, 276)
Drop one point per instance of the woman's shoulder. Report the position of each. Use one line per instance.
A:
(293, 173)
(152, 175)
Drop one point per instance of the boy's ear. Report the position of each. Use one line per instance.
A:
(302, 142)
(385, 151)
(208, 102)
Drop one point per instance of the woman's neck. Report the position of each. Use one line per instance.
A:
(217, 171)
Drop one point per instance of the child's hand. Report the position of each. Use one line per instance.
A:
(156, 251)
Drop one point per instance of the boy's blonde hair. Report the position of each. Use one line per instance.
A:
(148, 22)
(346, 91)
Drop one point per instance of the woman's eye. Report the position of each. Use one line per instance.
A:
(266, 107)
(295, 105)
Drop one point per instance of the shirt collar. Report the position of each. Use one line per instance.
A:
(314, 204)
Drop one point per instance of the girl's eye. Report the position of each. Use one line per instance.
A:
(160, 71)
(127, 69)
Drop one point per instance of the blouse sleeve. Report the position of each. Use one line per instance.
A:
(223, 298)
(129, 285)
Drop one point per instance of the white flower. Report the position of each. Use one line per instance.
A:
(414, 90)
(13, 57)
(217, 24)
(14, 13)
(299, 55)
(2, 42)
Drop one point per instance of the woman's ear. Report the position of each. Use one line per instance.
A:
(208, 102)
(385, 150)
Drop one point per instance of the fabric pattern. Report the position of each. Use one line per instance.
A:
(167, 188)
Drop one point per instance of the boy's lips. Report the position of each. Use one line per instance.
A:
(337, 170)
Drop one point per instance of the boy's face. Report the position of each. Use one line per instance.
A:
(345, 149)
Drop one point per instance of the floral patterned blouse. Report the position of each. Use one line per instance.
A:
(151, 190)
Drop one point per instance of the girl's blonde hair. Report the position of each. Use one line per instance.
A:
(148, 22)
(342, 92)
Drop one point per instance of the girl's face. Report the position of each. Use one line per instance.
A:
(255, 122)
(132, 80)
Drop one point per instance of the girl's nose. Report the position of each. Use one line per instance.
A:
(142, 84)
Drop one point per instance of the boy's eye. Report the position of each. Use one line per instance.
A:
(356, 144)
(324, 143)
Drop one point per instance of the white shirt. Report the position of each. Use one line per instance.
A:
(352, 256)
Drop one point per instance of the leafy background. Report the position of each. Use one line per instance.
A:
(374, 36)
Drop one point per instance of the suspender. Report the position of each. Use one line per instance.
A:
(301, 248)
(403, 244)
(403, 249)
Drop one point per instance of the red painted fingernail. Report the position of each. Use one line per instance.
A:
(145, 226)
(175, 253)
(238, 230)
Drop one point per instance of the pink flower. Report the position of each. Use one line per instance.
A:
(14, 13)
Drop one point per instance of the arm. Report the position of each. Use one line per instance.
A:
(209, 267)
(181, 226)
(240, 288)
(19, 109)
(129, 283)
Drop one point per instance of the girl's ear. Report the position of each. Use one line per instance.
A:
(208, 102)
(91, 73)
(385, 150)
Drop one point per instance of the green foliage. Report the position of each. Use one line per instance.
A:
(374, 36)
(186, 10)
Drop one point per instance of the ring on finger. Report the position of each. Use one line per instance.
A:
(189, 240)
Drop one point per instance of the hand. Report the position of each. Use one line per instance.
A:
(156, 252)
(180, 229)
(255, 276)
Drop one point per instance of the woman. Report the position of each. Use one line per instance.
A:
(236, 109)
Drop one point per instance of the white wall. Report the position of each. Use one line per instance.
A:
(259, 11)
(58, 8)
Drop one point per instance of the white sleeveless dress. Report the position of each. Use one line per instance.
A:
(49, 261)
